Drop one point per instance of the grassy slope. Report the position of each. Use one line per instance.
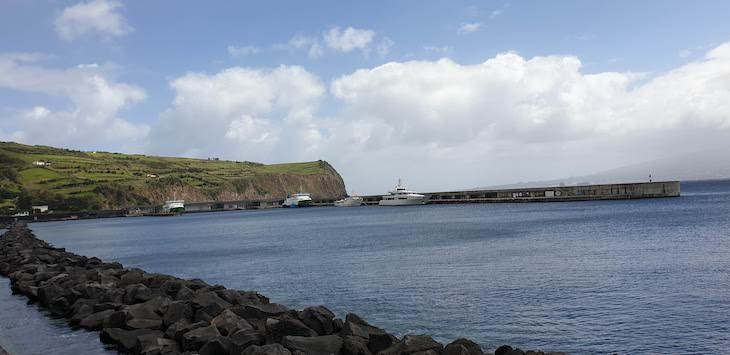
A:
(117, 180)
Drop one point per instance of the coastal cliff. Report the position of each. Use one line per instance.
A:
(69, 180)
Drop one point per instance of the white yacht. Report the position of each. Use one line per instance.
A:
(174, 206)
(400, 196)
(351, 201)
(301, 199)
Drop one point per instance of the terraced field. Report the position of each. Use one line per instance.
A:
(75, 180)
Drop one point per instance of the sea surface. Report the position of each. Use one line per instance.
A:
(632, 277)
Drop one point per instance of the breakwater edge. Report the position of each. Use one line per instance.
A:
(147, 313)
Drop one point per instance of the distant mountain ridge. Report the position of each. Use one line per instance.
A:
(71, 180)
(704, 165)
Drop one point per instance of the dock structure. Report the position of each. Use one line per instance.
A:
(535, 194)
(553, 193)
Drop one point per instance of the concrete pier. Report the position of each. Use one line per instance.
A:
(553, 193)
(536, 194)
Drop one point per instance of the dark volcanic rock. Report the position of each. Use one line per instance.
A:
(155, 343)
(177, 311)
(259, 311)
(136, 293)
(228, 323)
(218, 346)
(353, 345)
(411, 344)
(463, 346)
(319, 345)
(271, 349)
(126, 340)
(277, 328)
(94, 321)
(377, 339)
(319, 319)
(195, 339)
(242, 339)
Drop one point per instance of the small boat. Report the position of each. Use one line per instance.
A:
(350, 201)
(301, 199)
(400, 196)
(174, 207)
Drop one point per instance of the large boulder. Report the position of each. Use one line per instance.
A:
(411, 344)
(242, 339)
(132, 276)
(218, 346)
(126, 340)
(177, 311)
(277, 328)
(155, 343)
(178, 329)
(377, 339)
(94, 321)
(319, 319)
(319, 345)
(195, 339)
(463, 346)
(353, 345)
(271, 349)
(136, 293)
(207, 305)
(259, 311)
(144, 316)
(228, 323)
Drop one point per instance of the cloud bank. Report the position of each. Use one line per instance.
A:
(90, 115)
(438, 124)
(97, 16)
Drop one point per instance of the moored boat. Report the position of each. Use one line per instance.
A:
(174, 207)
(301, 199)
(350, 201)
(401, 196)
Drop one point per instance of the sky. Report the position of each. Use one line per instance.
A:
(443, 94)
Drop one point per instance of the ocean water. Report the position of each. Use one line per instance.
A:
(632, 277)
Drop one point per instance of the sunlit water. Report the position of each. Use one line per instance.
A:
(636, 276)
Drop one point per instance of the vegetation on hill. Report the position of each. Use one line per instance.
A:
(71, 180)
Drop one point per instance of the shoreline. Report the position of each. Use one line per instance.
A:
(147, 313)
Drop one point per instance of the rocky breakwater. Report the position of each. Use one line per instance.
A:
(148, 313)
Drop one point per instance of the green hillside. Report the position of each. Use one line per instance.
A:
(70, 180)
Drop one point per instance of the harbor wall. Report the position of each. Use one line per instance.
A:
(624, 191)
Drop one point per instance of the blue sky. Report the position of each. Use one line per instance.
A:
(137, 51)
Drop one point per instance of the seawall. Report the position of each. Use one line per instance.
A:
(148, 313)
(626, 191)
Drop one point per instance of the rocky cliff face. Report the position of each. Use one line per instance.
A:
(326, 185)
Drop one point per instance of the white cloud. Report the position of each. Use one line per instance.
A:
(311, 44)
(383, 48)
(95, 104)
(337, 40)
(444, 50)
(499, 11)
(468, 28)
(315, 50)
(348, 39)
(242, 51)
(241, 113)
(97, 16)
(540, 117)
(441, 124)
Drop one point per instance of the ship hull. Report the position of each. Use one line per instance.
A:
(406, 202)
